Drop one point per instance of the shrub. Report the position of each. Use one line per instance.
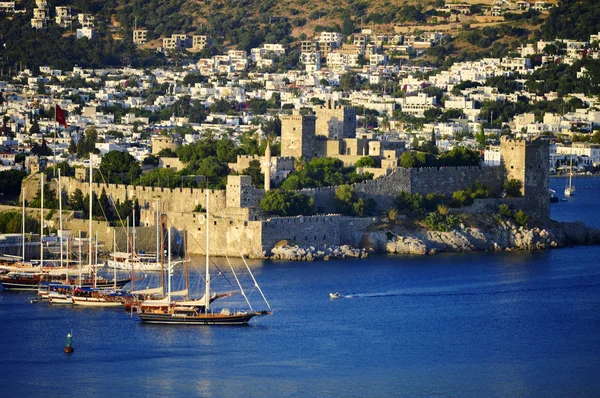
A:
(392, 215)
(440, 222)
(432, 200)
(462, 198)
(442, 210)
(407, 203)
(521, 218)
(513, 188)
(504, 211)
(199, 209)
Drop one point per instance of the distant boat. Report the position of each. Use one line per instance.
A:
(570, 189)
(335, 295)
(553, 197)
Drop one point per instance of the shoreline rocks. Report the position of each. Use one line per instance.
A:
(311, 253)
(499, 236)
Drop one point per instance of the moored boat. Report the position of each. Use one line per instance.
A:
(197, 312)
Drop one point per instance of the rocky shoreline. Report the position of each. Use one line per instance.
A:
(293, 252)
(486, 234)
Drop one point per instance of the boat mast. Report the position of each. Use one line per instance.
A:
(114, 256)
(133, 235)
(207, 294)
(90, 258)
(23, 226)
(127, 236)
(60, 220)
(42, 222)
(133, 251)
(157, 242)
(162, 254)
(169, 265)
(187, 266)
(96, 261)
(80, 258)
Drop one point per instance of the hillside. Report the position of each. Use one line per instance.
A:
(245, 24)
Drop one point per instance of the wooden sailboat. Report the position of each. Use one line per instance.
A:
(195, 312)
(570, 189)
(93, 297)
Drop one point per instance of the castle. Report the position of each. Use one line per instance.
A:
(238, 225)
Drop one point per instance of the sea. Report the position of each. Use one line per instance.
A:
(523, 324)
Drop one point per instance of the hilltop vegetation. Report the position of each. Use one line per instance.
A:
(246, 24)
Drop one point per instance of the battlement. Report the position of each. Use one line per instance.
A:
(537, 142)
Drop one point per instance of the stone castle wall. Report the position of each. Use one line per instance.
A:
(445, 180)
(383, 190)
(176, 199)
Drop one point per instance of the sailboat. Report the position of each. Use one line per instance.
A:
(570, 189)
(141, 262)
(196, 312)
(92, 296)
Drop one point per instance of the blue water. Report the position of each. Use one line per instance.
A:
(489, 324)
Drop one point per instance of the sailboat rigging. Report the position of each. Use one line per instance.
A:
(194, 312)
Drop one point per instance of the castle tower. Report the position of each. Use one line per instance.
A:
(267, 167)
(298, 136)
(335, 121)
(529, 162)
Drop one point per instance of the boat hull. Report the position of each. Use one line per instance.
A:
(141, 266)
(66, 300)
(95, 302)
(33, 284)
(202, 319)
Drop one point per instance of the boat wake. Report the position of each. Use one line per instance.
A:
(460, 292)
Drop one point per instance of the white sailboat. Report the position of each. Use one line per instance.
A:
(570, 189)
(141, 262)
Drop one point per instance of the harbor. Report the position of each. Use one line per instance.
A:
(520, 323)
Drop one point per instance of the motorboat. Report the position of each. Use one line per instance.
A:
(335, 295)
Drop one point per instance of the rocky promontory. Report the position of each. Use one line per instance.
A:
(485, 234)
(474, 234)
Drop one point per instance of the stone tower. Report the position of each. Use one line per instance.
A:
(335, 121)
(298, 136)
(267, 167)
(529, 162)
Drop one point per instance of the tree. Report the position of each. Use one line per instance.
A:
(166, 153)
(10, 182)
(254, 171)
(347, 27)
(41, 150)
(480, 138)
(151, 160)
(513, 188)
(366, 161)
(35, 127)
(72, 147)
(120, 163)
(76, 200)
(284, 203)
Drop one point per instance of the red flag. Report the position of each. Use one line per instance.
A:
(60, 116)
